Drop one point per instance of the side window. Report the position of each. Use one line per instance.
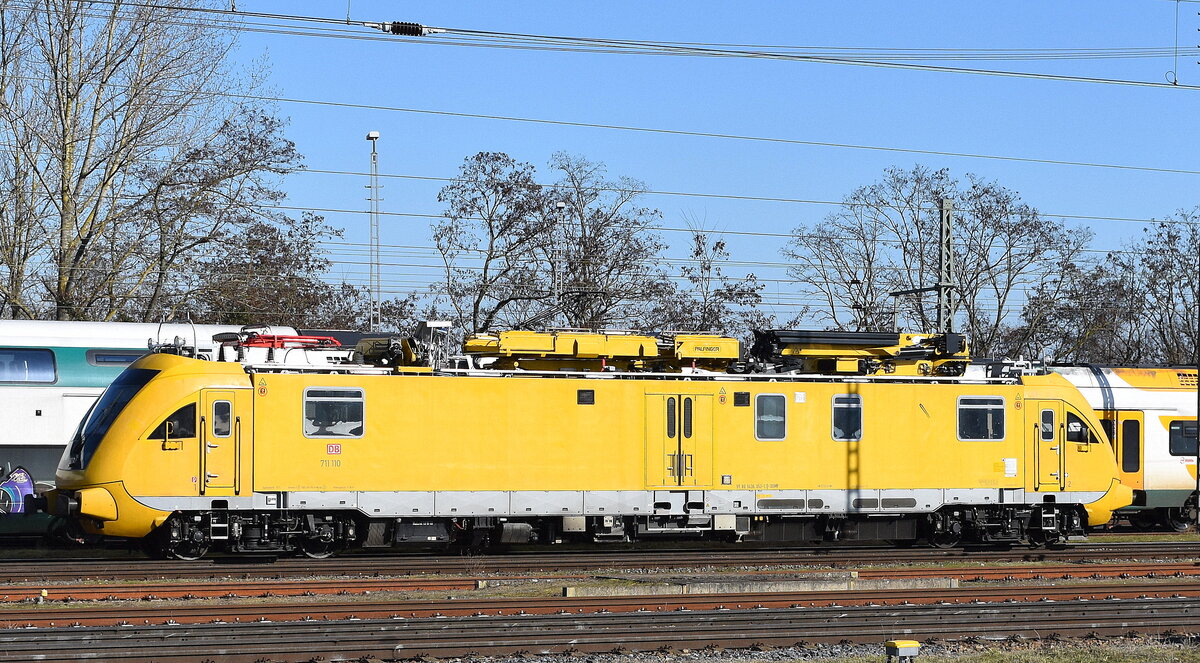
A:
(222, 419)
(982, 418)
(847, 417)
(27, 365)
(770, 417)
(1078, 431)
(180, 425)
(330, 412)
(113, 357)
(1131, 445)
(1183, 438)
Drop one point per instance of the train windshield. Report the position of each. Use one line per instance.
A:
(102, 415)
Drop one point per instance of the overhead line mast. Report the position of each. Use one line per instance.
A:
(374, 321)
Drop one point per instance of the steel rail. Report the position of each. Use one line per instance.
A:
(550, 634)
(24, 570)
(106, 591)
(201, 612)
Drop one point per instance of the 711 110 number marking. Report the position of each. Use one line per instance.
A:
(332, 450)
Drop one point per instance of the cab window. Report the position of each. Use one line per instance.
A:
(180, 425)
(333, 412)
(1078, 431)
(1183, 438)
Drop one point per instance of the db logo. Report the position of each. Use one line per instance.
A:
(333, 449)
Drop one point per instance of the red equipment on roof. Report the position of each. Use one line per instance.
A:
(281, 341)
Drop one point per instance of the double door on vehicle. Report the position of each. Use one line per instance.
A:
(678, 440)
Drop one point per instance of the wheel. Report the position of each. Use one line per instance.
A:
(174, 540)
(319, 548)
(189, 551)
(1040, 538)
(944, 531)
(945, 539)
(322, 541)
(1177, 519)
(1144, 520)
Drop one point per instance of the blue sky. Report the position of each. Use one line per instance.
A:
(1057, 120)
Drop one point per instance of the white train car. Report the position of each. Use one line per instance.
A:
(1149, 415)
(51, 372)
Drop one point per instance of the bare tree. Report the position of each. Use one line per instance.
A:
(607, 251)
(885, 239)
(1137, 305)
(495, 223)
(578, 253)
(1167, 262)
(124, 147)
(276, 273)
(1093, 312)
(705, 298)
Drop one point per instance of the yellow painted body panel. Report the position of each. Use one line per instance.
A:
(456, 433)
(578, 345)
(98, 503)
(129, 517)
(706, 346)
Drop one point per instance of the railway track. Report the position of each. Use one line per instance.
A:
(24, 570)
(105, 591)
(201, 613)
(407, 638)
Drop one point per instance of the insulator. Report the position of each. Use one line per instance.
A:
(406, 29)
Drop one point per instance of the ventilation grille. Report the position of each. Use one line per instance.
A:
(1187, 379)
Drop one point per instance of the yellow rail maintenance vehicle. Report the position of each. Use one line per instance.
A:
(288, 444)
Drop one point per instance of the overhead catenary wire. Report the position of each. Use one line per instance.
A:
(524, 41)
(732, 196)
(688, 194)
